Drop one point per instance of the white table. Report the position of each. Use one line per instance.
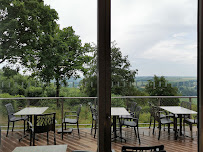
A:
(30, 111)
(179, 111)
(115, 112)
(51, 148)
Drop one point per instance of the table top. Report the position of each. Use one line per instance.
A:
(178, 110)
(119, 111)
(50, 148)
(32, 111)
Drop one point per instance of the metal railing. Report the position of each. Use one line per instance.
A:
(66, 102)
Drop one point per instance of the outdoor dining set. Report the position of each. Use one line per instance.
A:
(40, 122)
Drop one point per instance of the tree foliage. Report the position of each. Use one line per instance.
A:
(31, 37)
(25, 26)
(160, 87)
(122, 77)
(62, 60)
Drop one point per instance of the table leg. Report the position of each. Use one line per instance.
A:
(175, 127)
(28, 127)
(180, 125)
(114, 127)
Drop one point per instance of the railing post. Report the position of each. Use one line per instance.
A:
(95, 102)
(28, 103)
(159, 101)
(190, 100)
(62, 102)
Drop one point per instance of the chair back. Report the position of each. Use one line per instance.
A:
(137, 112)
(185, 104)
(150, 107)
(79, 109)
(10, 110)
(132, 107)
(44, 122)
(155, 113)
(159, 148)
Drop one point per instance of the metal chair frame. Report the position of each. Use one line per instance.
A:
(12, 118)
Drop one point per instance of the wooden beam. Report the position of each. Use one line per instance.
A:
(104, 74)
(200, 75)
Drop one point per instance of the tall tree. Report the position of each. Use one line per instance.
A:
(25, 26)
(62, 59)
(122, 77)
(159, 86)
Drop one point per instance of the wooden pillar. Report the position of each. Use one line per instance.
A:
(200, 75)
(104, 74)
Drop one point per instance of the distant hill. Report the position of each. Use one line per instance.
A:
(187, 86)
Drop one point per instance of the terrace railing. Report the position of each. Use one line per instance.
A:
(70, 103)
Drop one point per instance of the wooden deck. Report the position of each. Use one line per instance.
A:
(87, 141)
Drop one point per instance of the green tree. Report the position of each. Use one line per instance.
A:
(62, 60)
(160, 87)
(26, 26)
(122, 77)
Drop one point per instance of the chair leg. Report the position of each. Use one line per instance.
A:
(92, 126)
(159, 130)
(150, 121)
(153, 127)
(24, 127)
(169, 129)
(47, 137)
(121, 132)
(135, 132)
(33, 139)
(13, 126)
(54, 138)
(191, 130)
(30, 138)
(78, 130)
(95, 129)
(138, 135)
(7, 129)
(62, 131)
(184, 127)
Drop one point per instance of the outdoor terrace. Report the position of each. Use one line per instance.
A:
(88, 142)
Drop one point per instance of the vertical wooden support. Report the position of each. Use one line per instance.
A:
(200, 75)
(104, 74)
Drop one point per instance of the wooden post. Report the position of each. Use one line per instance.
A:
(200, 75)
(104, 74)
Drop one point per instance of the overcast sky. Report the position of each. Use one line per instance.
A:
(159, 36)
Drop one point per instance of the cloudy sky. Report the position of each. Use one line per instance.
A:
(159, 36)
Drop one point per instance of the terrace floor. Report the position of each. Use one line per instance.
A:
(87, 141)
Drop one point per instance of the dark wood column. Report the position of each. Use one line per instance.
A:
(104, 74)
(200, 75)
